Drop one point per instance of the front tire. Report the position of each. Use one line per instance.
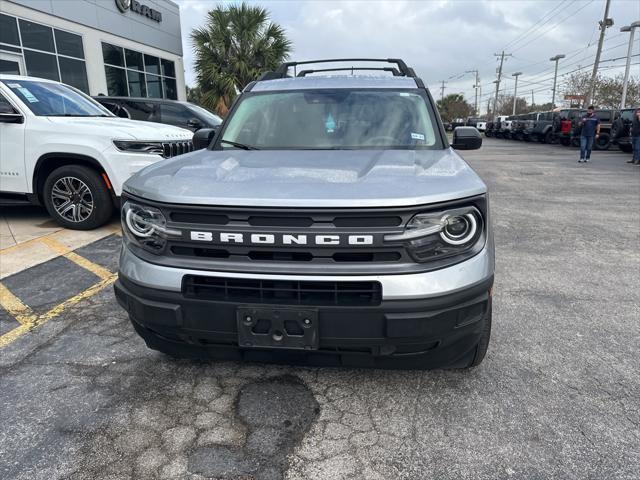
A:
(77, 198)
(602, 142)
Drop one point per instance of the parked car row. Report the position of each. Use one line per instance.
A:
(563, 126)
(65, 151)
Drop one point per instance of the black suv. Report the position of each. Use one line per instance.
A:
(172, 112)
(621, 130)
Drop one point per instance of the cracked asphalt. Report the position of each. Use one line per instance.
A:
(558, 395)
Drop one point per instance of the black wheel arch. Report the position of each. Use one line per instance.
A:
(48, 162)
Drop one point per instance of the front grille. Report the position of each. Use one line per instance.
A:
(201, 245)
(282, 292)
(288, 256)
(173, 149)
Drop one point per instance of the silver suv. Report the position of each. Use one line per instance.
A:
(328, 222)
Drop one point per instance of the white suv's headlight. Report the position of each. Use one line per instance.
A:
(134, 146)
(146, 226)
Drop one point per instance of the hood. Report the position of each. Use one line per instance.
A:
(122, 128)
(308, 178)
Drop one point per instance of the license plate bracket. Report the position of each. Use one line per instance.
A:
(277, 327)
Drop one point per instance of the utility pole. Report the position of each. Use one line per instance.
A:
(442, 91)
(515, 91)
(555, 77)
(630, 29)
(532, 101)
(604, 24)
(497, 82)
(476, 85)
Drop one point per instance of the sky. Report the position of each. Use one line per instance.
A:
(444, 39)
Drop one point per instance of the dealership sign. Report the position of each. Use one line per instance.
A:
(134, 6)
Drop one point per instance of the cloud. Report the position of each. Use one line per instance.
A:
(444, 38)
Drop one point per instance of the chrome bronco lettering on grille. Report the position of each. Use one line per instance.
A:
(284, 239)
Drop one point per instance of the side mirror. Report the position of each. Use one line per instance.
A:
(195, 124)
(466, 138)
(203, 138)
(8, 115)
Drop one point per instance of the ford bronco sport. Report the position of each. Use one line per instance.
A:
(328, 222)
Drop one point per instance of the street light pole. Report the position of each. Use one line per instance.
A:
(555, 78)
(515, 91)
(630, 28)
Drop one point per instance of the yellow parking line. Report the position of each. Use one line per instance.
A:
(63, 250)
(14, 306)
(25, 315)
(7, 338)
(55, 245)
(57, 310)
(89, 265)
(21, 245)
(36, 320)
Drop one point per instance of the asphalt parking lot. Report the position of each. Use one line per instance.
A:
(558, 395)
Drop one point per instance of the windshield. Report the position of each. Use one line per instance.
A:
(211, 118)
(333, 119)
(55, 100)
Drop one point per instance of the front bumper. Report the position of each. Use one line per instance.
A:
(122, 165)
(437, 319)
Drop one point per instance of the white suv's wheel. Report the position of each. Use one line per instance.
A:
(77, 198)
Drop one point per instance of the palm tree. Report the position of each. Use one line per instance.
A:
(236, 45)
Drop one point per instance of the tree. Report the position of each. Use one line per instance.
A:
(194, 95)
(607, 90)
(236, 45)
(505, 105)
(541, 107)
(454, 106)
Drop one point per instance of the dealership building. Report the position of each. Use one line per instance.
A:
(111, 47)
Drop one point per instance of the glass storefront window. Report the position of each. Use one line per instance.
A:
(112, 55)
(170, 89)
(137, 84)
(168, 68)
(9, 30)
(42, 65)
(34, 35)
(116, 81)
(134, 59)
(74, 73)
(152, 64)
(146, 75)
(154, 86)
(69, 44)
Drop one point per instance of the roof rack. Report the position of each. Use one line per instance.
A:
(283, 70)
(394, 71)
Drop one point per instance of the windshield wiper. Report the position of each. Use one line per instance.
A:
(239, 145)
(74, 115)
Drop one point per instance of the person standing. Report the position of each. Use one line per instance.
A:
(590, 130)
(635, 138)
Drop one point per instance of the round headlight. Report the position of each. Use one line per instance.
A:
(138, 225)
(459, 229)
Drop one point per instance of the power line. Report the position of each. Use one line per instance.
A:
(545, 18)
(553, 27)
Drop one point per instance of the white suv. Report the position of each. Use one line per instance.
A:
(60, 148)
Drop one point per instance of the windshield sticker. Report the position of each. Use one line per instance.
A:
(417, 136)
(27, 95)
(330, 124)
(13, 85)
